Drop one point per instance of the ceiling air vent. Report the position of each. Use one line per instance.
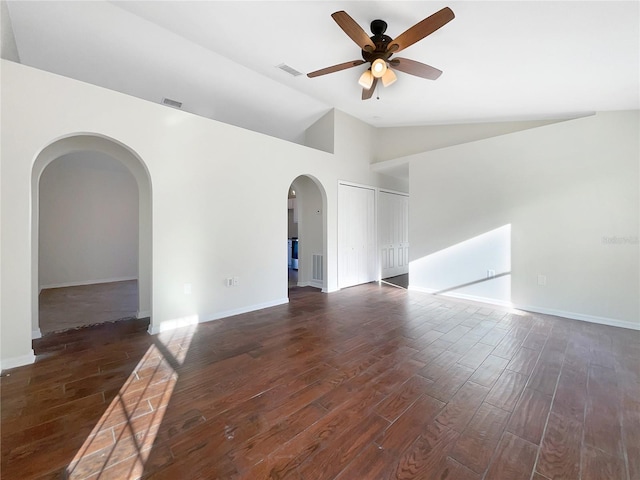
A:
(171, 103)
(286, 68)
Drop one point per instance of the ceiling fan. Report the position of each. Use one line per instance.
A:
(378, 49)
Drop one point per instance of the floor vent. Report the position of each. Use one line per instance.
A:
(286, 68)
(171, 103)
(317, 267)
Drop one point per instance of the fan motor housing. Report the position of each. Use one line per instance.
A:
(380, 40)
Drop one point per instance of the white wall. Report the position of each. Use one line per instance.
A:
(208, 179)
(395, 142)
(8, 47)
(565, 189)
(478, 268)
(88, 221)
(320, 135)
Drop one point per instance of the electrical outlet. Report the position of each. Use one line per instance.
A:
(236, 281)
(228, 282)
(542, 280)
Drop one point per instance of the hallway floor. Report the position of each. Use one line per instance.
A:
(401, 281)
(74, 307)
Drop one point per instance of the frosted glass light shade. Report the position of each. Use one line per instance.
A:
(378, 68)
(388, 78)
(366, 80)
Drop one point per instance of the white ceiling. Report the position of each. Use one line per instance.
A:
(501, 60)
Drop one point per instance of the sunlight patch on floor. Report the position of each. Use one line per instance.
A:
(122, 440)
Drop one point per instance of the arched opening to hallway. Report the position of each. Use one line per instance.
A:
(306, 242)
(91, 228)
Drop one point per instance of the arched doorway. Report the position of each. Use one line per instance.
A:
(59, 158)
(307, 227)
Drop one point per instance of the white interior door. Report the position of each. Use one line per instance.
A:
(393, 228)
(356, 235)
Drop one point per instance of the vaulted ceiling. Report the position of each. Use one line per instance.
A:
(502, 61)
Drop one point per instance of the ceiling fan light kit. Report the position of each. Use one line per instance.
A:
(388, 78)
(378, 49)
(366, 79)
(378, 68)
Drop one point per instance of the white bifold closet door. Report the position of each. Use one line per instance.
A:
(393, 227)
(357, 258)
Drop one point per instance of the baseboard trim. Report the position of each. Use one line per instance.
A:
(312, 283)
(612, 322)
(35, 334)
(87, 282)
(534, 309)
(155, 329)
(17, 361)
(464, 296)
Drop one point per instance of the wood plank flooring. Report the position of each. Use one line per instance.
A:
(83, 305)
(401, 281)
(372, 382)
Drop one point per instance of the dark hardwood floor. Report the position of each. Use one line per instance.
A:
(84, 305)
(372, 382)
(401, 281)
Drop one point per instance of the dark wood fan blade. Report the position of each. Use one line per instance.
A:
(366, 94)
(353, 30)
(335, 68)
(415, 68)
(421, 30)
